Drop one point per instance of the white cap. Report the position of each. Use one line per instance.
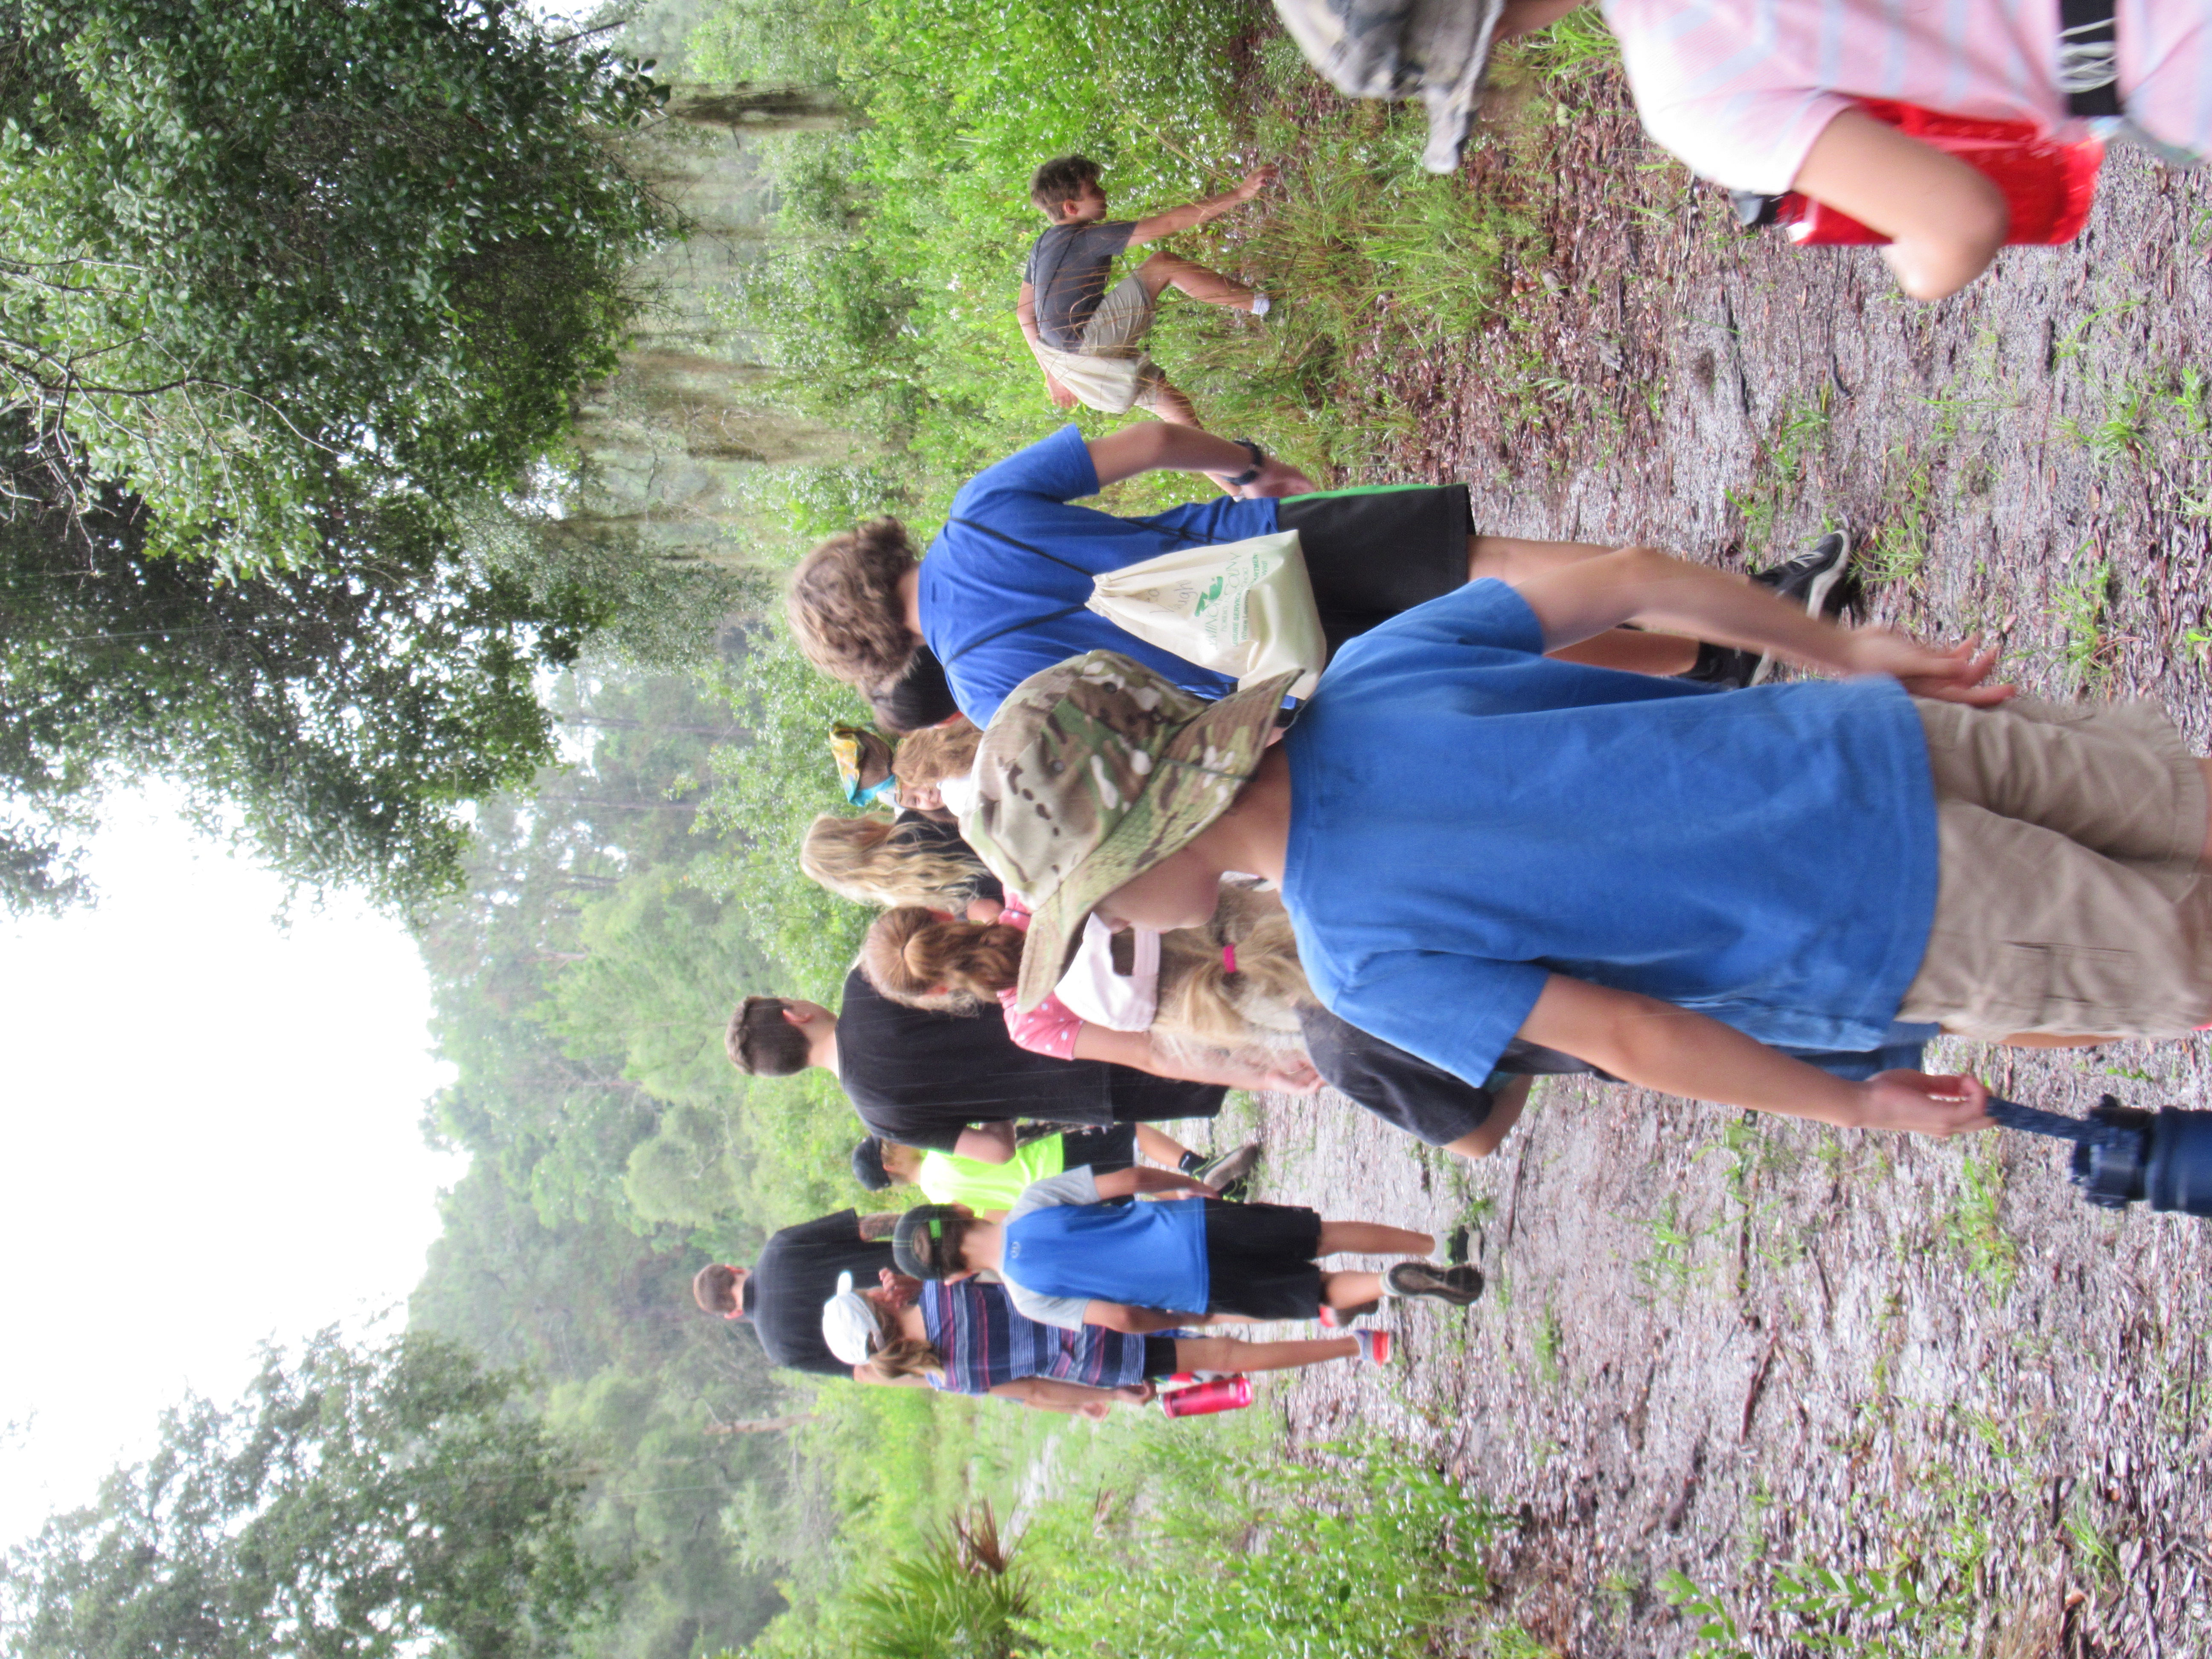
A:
(849, 1323)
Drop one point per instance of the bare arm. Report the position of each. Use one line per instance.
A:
(1153, 226)
(1025, 314)
(1641, 1040)
(1048, 1394)
(987, 1143)
(1505, 1107)
(1134, 1049)
(1641, 584)
(1153, 446)
(1946, 221)
(1134, 1322)
(1527, 16)
(1142, 1178)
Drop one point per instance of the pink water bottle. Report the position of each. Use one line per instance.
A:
(1196, 1398)
(2048, 186)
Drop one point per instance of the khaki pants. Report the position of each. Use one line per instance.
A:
(2069, 899)
(1112, 372)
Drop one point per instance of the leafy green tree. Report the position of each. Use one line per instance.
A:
(256, 248)
(358, 1502)
(339, 719)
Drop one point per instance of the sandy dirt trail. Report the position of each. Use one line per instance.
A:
(1725, 1346)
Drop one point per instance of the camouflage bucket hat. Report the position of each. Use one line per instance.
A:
(1436, 50)
(1093, 771)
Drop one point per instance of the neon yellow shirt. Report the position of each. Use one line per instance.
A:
(948, 1178)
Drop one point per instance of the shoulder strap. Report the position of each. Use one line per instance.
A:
(999, 534)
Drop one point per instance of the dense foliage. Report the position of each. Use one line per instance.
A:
(259, 255)
(358, 1504)
(337, 718)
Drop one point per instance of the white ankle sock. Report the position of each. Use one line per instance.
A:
(1260, 305)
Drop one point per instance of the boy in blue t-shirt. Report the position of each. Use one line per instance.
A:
(1075, 1251)
(1474, 840)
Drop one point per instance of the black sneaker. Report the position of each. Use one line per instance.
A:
(1723, 665)
(1821, 580)
(1458, 1285)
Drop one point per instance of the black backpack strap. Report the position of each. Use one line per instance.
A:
(997, 535)
(2088, 58)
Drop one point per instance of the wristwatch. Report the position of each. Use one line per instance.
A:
(1259, 464)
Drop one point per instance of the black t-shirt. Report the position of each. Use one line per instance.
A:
(795, 1274)
(1067, 268)
(1427, 1101)
(920, 1077)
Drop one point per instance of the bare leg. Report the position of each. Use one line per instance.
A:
(1169, 405)
(1227, 1353)
(1165, 270)
(1372, 1238)
(1350, 1290)
(2046, 1040)
(1161, 1149)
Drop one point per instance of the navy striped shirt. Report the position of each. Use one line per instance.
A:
(985, 1343)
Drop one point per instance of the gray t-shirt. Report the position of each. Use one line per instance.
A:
(1077, 1186)
(1068, 268)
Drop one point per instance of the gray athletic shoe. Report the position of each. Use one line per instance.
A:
(1458, 1285)
(1230, 1169)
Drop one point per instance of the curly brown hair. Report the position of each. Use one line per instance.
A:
(1061, 179)
(844, 607)
(911, 952)
(941, 752)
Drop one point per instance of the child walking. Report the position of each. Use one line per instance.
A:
(1661, 884)
(1087, 337)
(967, 1337)
(1071, 1254)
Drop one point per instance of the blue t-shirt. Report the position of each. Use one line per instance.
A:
(1064, 1248)
(1004, 587)
(1468, 815)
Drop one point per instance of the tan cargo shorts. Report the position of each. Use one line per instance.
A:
(2069, 900)
(1124, 317)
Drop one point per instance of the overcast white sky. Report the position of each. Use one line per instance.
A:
(209, 1138)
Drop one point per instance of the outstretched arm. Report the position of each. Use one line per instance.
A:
(1142, 1178)
(1527, 16)
(1945, 221)
(1134, 1322)
(1641, 1040)
(1048, 1394)
(1641, 584)
(1153, 226)
(1152, 445)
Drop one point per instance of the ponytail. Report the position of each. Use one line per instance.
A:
(910, 953)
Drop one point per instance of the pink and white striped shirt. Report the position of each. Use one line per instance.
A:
(1739, 89)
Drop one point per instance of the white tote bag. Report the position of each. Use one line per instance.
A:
(1243, 608)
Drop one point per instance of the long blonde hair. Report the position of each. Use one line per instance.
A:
(910, 953)
(898, 1355)
(867, 860)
